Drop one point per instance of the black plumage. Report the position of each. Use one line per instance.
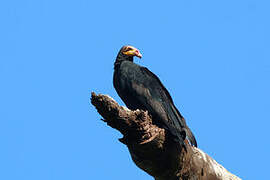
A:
(139, 88)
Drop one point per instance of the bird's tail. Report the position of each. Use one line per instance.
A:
(180, 123)
(191, 137)
(179, 135)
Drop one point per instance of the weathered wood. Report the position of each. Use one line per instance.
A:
(152, 149)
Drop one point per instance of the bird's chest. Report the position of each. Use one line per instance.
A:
(127, 75)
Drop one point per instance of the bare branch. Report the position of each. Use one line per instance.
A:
(153, 150)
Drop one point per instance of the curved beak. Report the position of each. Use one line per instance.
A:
(139, 55)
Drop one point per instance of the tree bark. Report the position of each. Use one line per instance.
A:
(152, 148)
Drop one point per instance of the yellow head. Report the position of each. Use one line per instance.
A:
(131, 51)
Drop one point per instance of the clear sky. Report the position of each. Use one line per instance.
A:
(213, 56)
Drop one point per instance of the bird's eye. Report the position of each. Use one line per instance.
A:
(128, 49)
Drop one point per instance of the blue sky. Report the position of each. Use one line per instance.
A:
(213, 56)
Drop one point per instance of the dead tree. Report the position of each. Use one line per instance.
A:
(152, 149)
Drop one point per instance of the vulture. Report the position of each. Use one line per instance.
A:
(139, 88)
